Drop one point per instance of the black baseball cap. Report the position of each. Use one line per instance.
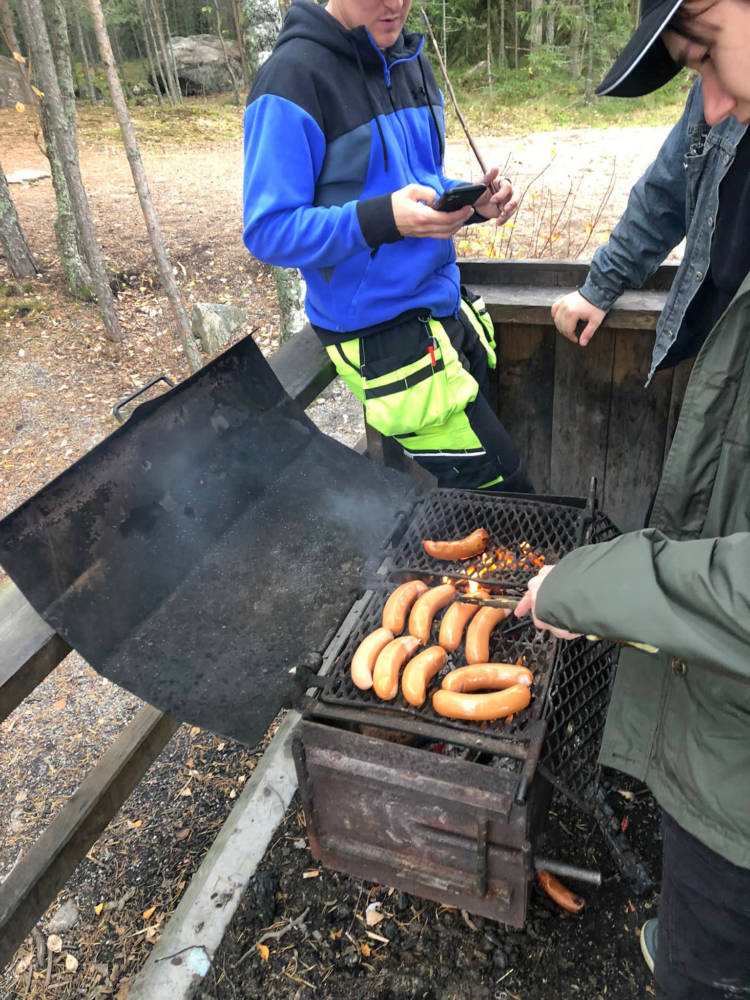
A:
(644, 64)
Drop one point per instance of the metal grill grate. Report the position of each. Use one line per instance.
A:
(548, 529)
(572, 680)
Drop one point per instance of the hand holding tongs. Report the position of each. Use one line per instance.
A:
(511, 603)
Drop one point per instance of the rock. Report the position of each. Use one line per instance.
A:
(214, 324)
(26, 175)
(63, 918)
(10, 84)
(201, 66)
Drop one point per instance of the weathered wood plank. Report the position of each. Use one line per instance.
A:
(525, 382)
(580, 422)
(40, 874)
(637, 430)
(558, 274)
(29, 648)
(635, 310)
(302, 366)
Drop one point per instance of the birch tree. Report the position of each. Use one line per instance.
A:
(12, 241)
(184, 330)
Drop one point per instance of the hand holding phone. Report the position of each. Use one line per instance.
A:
(459, 197)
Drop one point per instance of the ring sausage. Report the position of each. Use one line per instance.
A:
(481, 707)
(365, 656)
(487, 677)
(389, 663)
(462, 548)
(478, 633)
(398, 604)
(419, 672)
(454, 622)
(426, 607)
(560, 893)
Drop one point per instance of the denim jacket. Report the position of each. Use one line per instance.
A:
(678, 196)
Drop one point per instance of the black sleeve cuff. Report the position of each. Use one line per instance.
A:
(376, 220)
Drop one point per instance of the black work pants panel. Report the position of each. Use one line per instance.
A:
(703, 946)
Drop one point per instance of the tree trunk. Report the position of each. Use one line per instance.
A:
(164, 54)
(84, 58)
(290, 289)
(6, 18)
(35, 28)
(184, 329)
(574, 57)
(589, 91)
(226, 57)
(489, 46)
(262, 24)
(549, 31)
(515, 33)
(150, 57)
(238, 35)
(535, 29)
(57, 29)
(172, 62)
(503, 60)
(12, 240)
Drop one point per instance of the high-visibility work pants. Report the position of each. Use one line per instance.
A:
(424, 383)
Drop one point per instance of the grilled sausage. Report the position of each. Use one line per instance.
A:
(398, 604)
(426, 607)
(389, 663)
(454, 622)
(487, 677)
(462, 548)
(481, 707)
(478, 633)
(365, 656)
(419, 672)
(560, 893)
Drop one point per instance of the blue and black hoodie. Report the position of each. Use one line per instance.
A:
(333, 126)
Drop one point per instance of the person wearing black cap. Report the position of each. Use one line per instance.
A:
(679, 717)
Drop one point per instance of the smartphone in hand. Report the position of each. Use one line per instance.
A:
(459, 197)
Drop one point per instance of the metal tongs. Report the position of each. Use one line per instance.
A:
(511, 603)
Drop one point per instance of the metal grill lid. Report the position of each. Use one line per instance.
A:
(202, 550)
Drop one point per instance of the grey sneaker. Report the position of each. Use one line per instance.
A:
(649, 933)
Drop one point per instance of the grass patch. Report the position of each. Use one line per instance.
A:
(520, 102)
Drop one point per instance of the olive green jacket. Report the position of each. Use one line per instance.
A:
(680, 719)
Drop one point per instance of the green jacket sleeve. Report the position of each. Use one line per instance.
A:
(689, 598)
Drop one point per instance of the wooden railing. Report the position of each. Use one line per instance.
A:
(572, 413)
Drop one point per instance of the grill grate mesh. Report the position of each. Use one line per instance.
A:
(572, 680)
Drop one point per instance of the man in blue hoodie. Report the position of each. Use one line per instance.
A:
(344, 145)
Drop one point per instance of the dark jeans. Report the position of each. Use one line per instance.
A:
(703, 947)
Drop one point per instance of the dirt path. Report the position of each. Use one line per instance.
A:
(59, 379)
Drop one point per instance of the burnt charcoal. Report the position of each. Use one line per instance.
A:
(263, 888)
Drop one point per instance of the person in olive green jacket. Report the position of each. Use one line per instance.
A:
(679, 719)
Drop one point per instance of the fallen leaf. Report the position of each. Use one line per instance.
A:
(195, 730)
(365, 949)
(147, 914)
(54, 943)
(98, 908)
(71, 963)
(183, 834)
(60, 704)
(373, 916)
(264, 951)
(313, 873)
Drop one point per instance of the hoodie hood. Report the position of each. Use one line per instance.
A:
(312, 22)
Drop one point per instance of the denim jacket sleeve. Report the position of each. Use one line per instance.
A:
(653, 223)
